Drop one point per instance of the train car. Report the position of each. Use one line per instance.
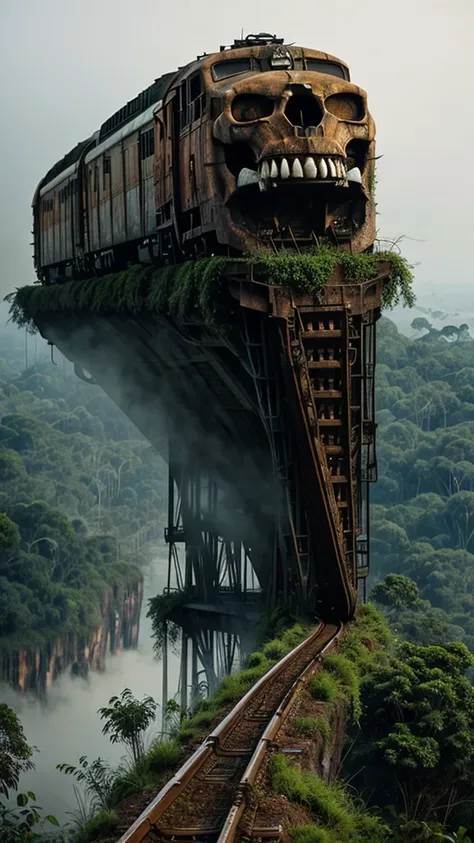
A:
(260, 146)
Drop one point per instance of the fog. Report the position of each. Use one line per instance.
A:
(67, 66)
(67, 725)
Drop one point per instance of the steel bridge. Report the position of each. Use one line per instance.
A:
(267, 427)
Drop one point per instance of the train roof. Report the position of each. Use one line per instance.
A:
(133, 108)
(156, 92)
(69, 159)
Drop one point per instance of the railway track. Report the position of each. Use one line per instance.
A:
(208, 796)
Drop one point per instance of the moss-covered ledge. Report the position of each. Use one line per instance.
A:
(199, 286)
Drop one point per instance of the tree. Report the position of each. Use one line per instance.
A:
(9, 540)
(417, 731)
(15, 753)
(396, 590)
(127, 719)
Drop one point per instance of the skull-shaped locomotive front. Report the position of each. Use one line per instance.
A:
(299, 151)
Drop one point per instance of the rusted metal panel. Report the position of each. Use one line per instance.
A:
(118, 201)
(132, 190)
(148, 212)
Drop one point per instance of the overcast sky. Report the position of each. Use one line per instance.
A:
(65, 66)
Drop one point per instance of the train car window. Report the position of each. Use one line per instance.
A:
(321, 66)
(147, 144)
(183, 104)
(297, 64)
(105, 173)
(195, 97)
(224, 69)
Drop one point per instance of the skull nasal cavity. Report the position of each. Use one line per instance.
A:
(303, 111)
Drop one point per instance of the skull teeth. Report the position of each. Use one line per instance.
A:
(297, 169)
(285, 169)
(304, 168)
(310, 169)
(323, 169)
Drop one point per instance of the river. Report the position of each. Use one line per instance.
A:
(64, 725)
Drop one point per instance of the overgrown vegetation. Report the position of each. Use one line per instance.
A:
(422, 515)
(339, 819)
(81, 493)
(199, 286)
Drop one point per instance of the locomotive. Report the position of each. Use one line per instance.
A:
(261, 146)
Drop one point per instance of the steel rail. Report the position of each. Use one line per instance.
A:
(212, 745)
(249, 778)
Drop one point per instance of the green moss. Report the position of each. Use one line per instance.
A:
(309, 727)
(200, 286)
(312, 834)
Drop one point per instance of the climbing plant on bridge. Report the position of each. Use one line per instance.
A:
(199, 286)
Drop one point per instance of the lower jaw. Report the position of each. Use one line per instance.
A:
(299, 209)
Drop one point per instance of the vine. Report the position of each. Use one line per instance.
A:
(200, 285)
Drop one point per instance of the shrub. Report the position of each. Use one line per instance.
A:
(255, 659)
(311, 834)
(345, 673)
(251, 675)
(295, 635)
(103, 823)
(310, 726)
(131, 779)
(324, 688)
(274, 649)
(330, 805)
(307, 789)
(163, 755)
(202, 719)
(204, 705)
(185, 735)
(230, 689)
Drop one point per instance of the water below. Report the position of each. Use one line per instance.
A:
(66, 725)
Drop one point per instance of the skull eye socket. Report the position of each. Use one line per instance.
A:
(248, 107)
(346, 106)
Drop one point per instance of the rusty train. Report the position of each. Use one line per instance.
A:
(256, 147)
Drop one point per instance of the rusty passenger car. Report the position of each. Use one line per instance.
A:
(258, 146)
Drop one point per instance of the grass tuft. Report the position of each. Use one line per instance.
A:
(311, 834)
(103, 823)
(330, 805)
(163, 755)
(324, 688)
(341, 669)
(311, 726)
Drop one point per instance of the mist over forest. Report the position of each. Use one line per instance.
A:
(262, 251)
